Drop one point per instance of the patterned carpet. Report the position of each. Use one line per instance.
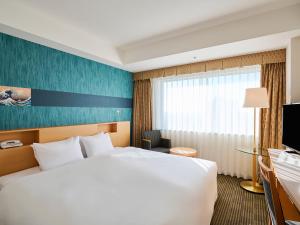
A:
(236, 206)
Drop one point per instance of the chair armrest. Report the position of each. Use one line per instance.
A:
(146, 144)
(166, 143)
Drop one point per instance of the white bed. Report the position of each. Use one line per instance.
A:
(129, 187)
(4, 180)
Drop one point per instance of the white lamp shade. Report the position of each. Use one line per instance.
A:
(256, 98)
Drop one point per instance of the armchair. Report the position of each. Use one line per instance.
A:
(153, 141)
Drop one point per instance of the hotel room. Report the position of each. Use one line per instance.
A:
(147, 112)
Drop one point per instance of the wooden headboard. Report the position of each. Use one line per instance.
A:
(20, 158)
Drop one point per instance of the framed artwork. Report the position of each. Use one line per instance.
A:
(14, 96)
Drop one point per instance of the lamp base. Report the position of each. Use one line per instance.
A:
(248, 186)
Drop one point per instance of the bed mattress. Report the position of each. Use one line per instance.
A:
(128, 186)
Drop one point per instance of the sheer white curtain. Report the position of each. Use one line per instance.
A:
(204, 111)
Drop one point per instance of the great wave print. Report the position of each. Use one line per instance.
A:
(14, 96)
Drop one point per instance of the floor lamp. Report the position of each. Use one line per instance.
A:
(255, 98)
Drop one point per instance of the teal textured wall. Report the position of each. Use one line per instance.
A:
(26, 64)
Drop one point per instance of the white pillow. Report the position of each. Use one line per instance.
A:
(97, 144)
(54, 154)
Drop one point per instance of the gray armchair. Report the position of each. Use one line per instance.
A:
(153, 141)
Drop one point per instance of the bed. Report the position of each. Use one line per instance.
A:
(127, 186)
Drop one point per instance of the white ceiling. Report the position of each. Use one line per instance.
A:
(266, 43)
(116, 31)
(127, 21)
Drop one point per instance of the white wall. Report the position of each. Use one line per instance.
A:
(293, 71)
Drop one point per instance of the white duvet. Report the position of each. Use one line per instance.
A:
(127, 187)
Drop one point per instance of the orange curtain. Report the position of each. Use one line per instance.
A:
(273, 77)
(142, 109)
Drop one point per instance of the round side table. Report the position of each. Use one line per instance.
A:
(183, 151)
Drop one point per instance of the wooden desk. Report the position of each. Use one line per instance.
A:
(288, 176)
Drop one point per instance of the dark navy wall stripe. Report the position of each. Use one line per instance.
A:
(67, 99)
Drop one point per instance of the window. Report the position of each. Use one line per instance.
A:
(208, 102)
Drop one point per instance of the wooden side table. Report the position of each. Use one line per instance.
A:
(183, 151)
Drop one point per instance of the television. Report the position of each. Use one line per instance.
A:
(291, 126)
